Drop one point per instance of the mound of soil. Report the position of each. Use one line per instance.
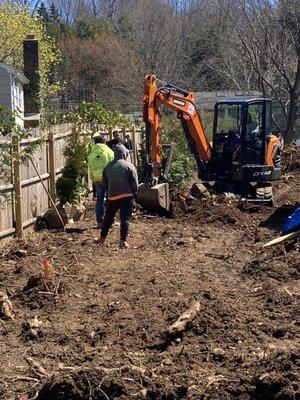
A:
(291, 159)
(90, 384)
(40, 293)
(81, 385)
(17, 250)
(218, 211)
(278, 264)
(274, 378)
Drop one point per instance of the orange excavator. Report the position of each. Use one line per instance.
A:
(243, 157)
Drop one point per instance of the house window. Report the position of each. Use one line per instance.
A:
(18, 96)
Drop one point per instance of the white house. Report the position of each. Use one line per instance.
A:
(12, 82)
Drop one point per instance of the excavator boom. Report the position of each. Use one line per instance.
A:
(152, 194)
(183, 103)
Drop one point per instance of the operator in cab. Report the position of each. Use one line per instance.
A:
(252, 128)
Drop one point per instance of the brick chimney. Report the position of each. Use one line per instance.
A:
(31, 71)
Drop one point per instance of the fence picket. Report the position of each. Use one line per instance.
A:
(52, 168)
(17, 188)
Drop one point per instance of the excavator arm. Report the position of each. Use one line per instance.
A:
(183, 103)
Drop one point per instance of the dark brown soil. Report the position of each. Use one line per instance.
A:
(291, 158)
(104, 310)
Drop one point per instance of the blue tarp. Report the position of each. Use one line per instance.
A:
(292, 223)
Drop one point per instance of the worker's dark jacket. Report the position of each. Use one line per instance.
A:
(119, 176)
(112, 144)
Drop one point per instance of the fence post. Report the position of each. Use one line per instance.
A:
(110, 132)
(134, 146)
(52, 174)
(17, 187)
(123, 132)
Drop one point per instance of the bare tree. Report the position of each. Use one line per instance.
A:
(180, 6)
(204, 32)
(263, 52)
(71, 10)
(100, 69)
(31, 4)
(154, 33)
(107, 9)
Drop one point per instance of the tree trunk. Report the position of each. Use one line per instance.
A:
(294, 107)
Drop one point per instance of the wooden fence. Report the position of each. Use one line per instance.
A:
(22, 196)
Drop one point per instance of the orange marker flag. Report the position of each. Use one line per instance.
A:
(46, 267)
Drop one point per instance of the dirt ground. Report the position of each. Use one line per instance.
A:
(100, 318)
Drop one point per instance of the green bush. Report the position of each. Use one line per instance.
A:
(70, 186)
(183, 164)
(93, 113)
(7, 121)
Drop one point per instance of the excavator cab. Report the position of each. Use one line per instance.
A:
(241, 137)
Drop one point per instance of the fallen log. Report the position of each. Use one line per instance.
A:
(182, 322)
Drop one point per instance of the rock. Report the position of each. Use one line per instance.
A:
(6, 309)
(78, 212)
(32, 333)
(199, 191)
(35, 322)
(52, 219)
(218, 354)
(19, 253)
(75, 211)
(32, 328)
(92, 334)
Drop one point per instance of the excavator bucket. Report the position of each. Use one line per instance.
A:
(155, 198)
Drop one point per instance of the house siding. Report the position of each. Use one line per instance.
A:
(5, 89)
(11, 91)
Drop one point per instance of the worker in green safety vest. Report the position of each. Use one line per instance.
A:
(100, 154)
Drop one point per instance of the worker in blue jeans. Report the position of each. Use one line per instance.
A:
(100, 196)
(99, 156)
(121, 182)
